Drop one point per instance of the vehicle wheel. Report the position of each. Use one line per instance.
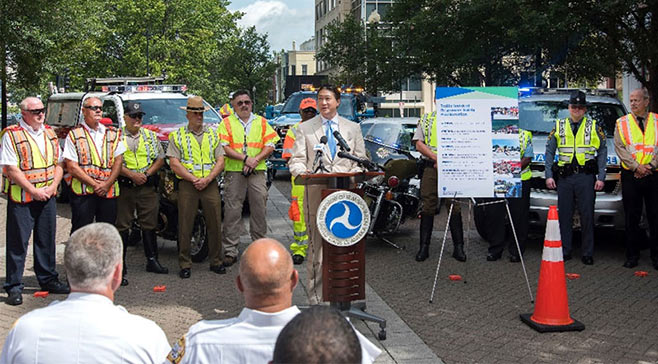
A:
(63, 191)
(480, 222)
(199, 243)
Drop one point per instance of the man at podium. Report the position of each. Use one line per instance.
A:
(316, 151)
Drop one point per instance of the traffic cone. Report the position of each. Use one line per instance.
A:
(551, 304)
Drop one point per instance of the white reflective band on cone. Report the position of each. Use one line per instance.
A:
(552, 231)
(552, 254)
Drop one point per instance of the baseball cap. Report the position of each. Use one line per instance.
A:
(133, 108)
(308, 102)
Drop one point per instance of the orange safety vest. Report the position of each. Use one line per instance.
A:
(232, 132)
(38, 168)
(643, 144)
(96, 164)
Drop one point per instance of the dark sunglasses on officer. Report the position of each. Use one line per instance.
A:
(310, 110)
(137, 115)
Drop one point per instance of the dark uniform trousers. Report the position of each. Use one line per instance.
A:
(188, 204)
(497, 234)
(84, 208)
(145, 200)
(39, 216)
(634, 192)
(578, 188)
(430, 198)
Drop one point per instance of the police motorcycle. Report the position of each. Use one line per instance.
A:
(395, 196)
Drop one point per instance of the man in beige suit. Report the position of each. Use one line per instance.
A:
(303, 161)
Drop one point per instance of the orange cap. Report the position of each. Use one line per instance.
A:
(308, 102)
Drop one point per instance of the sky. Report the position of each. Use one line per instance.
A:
(283, 20)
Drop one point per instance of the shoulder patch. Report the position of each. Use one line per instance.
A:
(177, 351)
(551, 134)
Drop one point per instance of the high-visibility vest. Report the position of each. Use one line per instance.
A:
(289, 141)
(525, 137)
(583, 145)
(226, 110)
(197, 159)
(232, 132)
(96, 164)
(146, 153)
(642, 144)
(428, 123)
(38, 168)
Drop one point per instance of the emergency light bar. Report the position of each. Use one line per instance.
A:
(144, 88)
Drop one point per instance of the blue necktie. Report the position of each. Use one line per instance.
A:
(330, 139)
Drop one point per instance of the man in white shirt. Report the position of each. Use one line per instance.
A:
(266, 280)
(87, 327)
(93, 156)
(30, 156)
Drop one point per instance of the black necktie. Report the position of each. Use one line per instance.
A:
(640, 123)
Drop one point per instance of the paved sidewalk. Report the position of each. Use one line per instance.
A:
(207, 295)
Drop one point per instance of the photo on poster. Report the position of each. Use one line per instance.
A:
(507, 169)
(505, 120)
(507, 187)
(506, 149)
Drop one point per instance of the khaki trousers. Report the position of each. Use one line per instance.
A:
(188, 204)
(236, 187)
(312, 199)
(142, 198)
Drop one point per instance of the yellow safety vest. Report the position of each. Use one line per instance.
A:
(146, 153)
(428, 123)
(583, 145)
(198, 160)
(96, 164)
(525, 137)
(39, 169)
(232, 132)
(289, 141)
(642, 145)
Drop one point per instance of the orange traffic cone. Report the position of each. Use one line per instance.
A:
(551, 305)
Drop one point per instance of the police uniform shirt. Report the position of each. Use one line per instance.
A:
(84, 328)
(420, 135)
(174, 152)
(248, 338)
(132, 142)
(8, 155)
(551, 150)
(97, 136)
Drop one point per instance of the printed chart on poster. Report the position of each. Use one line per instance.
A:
(478, 142)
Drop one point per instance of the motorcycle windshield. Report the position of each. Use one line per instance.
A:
(394, 135)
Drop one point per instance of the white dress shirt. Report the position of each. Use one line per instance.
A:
(84, 328)
(8, 155)
(248, 338)
(97, 136)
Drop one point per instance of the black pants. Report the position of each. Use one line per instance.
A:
(577, 189)
(635, 192)
(86, 208)
(39, 216)
(519, 208)
(494, 215)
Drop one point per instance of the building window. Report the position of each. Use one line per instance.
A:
(304, 70)
(293, 70)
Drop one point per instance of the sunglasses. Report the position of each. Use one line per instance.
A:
(95, 108)
(36, 111)
(309, 110)
(247, 102)
(136, 116)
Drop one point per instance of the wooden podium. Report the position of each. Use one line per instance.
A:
(343, 267)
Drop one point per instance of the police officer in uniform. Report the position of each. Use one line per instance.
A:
(30, 155)
(580, 171)
(636, 144)
(307, 109)
(248, 139)
(197, 158)
(426, 143)
(141, 161)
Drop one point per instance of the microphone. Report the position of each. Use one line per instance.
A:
(364, 162)
(319, 150)
(341, 141)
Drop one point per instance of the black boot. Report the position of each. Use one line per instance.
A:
(151, 252)
(125, 236)
(457, 233)
(426, 224)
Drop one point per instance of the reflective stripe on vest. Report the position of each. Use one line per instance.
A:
(583, 145)
(146, 153)
(38, 168)
(641, 145)
(289, 141)
(232, 131)
(525, 137)
(428, 123)
(96, 164)
(197, 159)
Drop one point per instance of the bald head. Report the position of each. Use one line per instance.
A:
(266, 273)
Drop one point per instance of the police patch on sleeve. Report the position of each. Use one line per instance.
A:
(177, 351)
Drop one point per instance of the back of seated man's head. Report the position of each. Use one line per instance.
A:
(318, 335)
(266, 270)
(91, 256)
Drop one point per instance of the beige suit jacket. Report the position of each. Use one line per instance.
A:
(308, 136)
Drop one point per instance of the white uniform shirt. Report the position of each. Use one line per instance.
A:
(8, 155)
(97, 136)
(84, 328)
(248, 338)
